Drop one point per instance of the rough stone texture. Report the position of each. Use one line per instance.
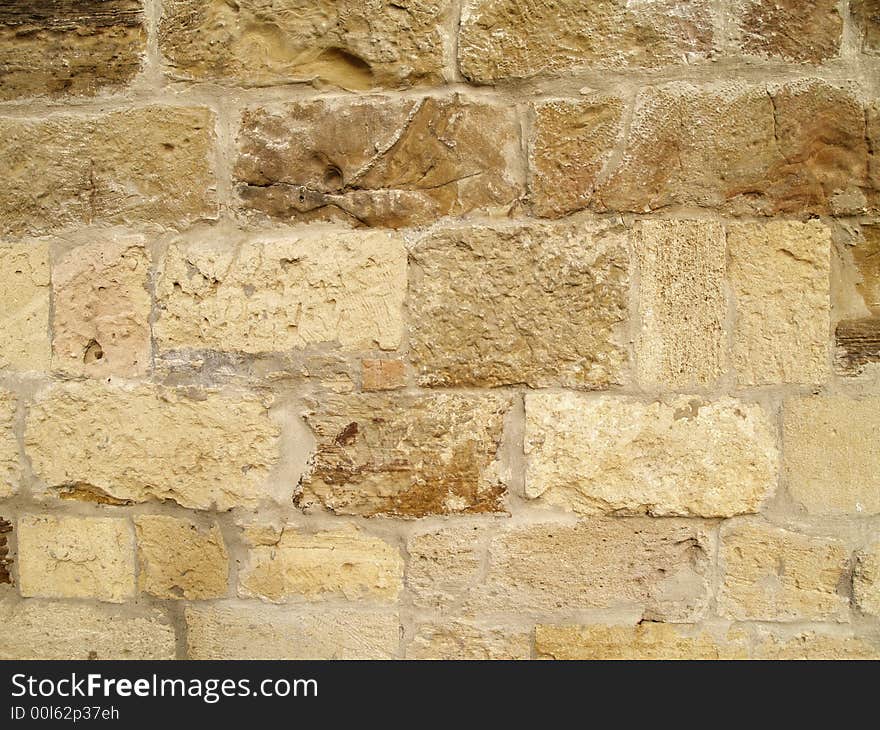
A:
(383, 374)
(770, 574)
(271, 293)
(143, 164)
(248, 631)
(24, 307)
(354, 44)
(867, 17)
(10, 470)
(135, 443)
(54, 48)
(657, 567)
(643, 641)
(814, 645)
(406, 455)
(858, 344)
(866, 256)
(866, 580)
(178, 559)
(682, 303)
(534, 304)
(779, 274)
(571, 143)
(378, 160)
(797, 148)
(35, 629)
(5, 560)
(459, 641)
(832, 463)
(790, 30)
(682, 456)
(101, 323)
(339, 563)
(504, 39)
(76, 557)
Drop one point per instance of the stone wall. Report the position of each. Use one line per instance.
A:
(479, 328)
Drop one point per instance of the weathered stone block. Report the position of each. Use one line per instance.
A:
(682, 456)
(535, 304)
(378, 161)
(866, 14)
(383, 374)
(790, 30)
(24, 304)
(866, 580)
(460, 641)
(10, 469)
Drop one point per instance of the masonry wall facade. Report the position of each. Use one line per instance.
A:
(480, 329)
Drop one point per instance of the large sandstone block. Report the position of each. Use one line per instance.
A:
(36, 629)
(465, 642)
(102, 306)
(572, 141)
(866, 580)
(279, 291)
(24, 307)
(798, 148)
(354, 44)
(866, 14)
(813, 644)
(832, 463)
(179, 559)
(248, 631)
(770, 574)
(655, 567)
(682, 303)
(132, 444)
(406, 455)
(144, 164)
(780, 279)
(56, 48)
(378, 160)
(857, 336)
(76, 557)
(511, 39)
(10, 470)
(681, 456)
(790, 30)
(535, 304)
(323, 565)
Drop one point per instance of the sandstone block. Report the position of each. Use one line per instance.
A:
(866, 14)
(24, 307)
(76, 557)
(278, 292)
(327, 564)
(406, 455)
(378, 161)
(682, 303)
(832, 464)
(444, 564)
(815, 645)
(460, 641)
(780, 277)
(178, 559)
(535, 304)
(58, 48)
(144, 165)
(681, 456)
(866, 580)
(866, 257)
(790, 30)
(133, 444)
(101, 324)
(770, 574)
(10, 470)
(383, 374)
(247, 631)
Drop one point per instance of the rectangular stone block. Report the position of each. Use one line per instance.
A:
(857, 345)
(76, 557)
(832, 463)
(278, 291)
(378, 161)
(536, 304)
(252, 631)
(444, 564)
(383, 374)
(825, 644)
(511, 39)
(143, 165)
(353, 44)
(58, 48)
(36, 629)
(682, 303)
(681, 456)
(457, 641)
(24, 307)
(866, 14)
(406, 455)
(780, 277)
(180, 559)
(770, 574)
(866, 579)
(788, 30)
(120, 444)
(339, 563)
(10, 469)
(101, 322)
